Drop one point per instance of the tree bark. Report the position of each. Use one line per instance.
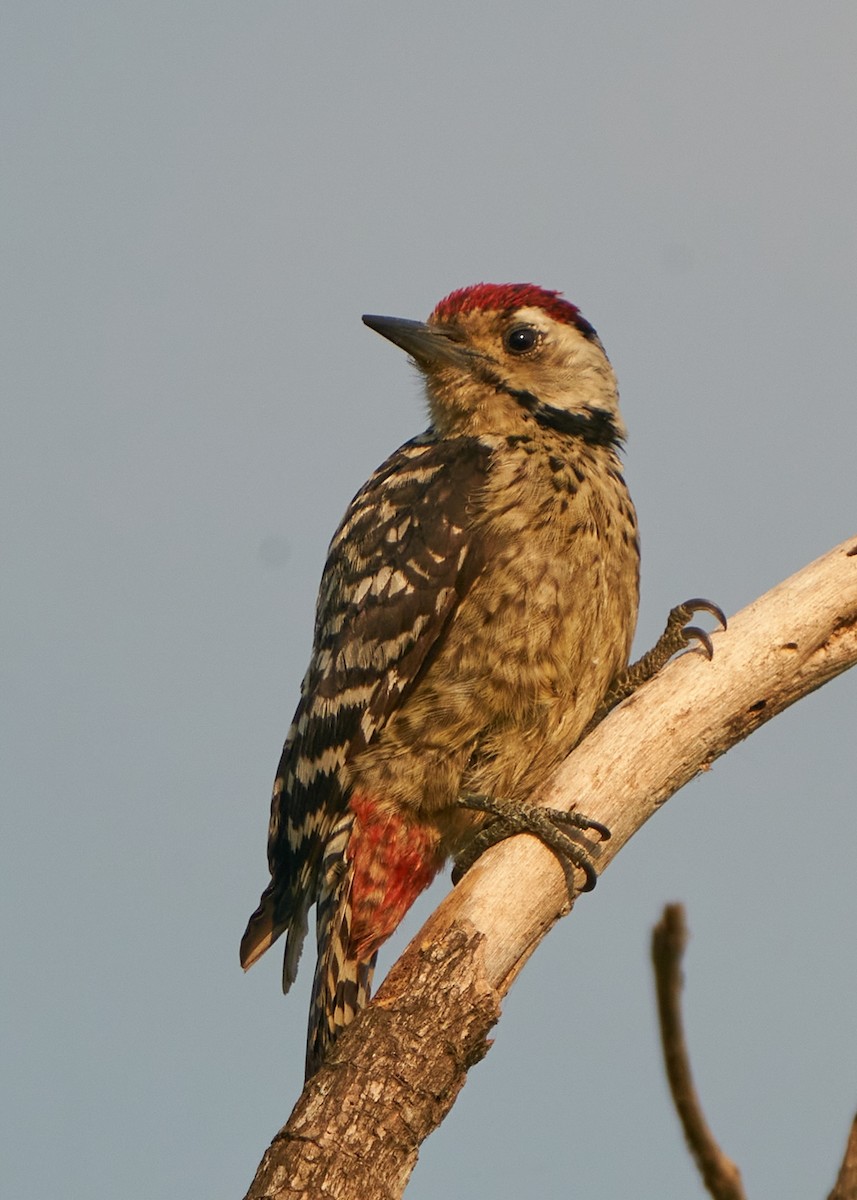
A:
(396, 1071)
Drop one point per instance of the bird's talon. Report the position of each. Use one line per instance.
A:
(693, 632)
(543, 823)
(591, 878)
(708, 606)
(580, 822)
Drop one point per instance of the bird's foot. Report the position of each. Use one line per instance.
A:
(677, 635)
(549, 825)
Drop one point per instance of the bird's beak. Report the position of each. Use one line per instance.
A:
(428, 345)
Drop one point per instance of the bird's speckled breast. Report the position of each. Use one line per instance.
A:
(536, 641)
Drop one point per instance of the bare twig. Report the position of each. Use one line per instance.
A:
(395, 1072)
(845, 1187)
(719, 1173)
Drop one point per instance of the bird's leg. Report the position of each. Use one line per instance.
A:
(511, 817)
(677, 635)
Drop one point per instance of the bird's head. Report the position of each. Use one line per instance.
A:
(496, 356)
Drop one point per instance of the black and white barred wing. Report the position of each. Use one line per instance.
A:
(397, 567)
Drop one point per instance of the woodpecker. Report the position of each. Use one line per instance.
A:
(478, 601)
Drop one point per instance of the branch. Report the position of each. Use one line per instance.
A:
(719, 1173)
(846, 1183)
(396, 1071)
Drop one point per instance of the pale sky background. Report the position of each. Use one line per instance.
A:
(199, 201)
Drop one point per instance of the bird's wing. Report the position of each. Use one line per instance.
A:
(397, 567)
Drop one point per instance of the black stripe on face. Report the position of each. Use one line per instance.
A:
(594, 425)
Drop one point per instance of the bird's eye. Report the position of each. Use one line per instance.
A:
(521, 339)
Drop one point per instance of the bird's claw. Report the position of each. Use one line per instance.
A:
(685, 634)
(694, 633)
(544, 823)
(697, 605)
(676, 636)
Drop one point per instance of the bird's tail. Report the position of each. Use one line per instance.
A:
(343, 979)
(262, 930)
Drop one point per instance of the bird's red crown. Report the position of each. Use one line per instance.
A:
(506, 297)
